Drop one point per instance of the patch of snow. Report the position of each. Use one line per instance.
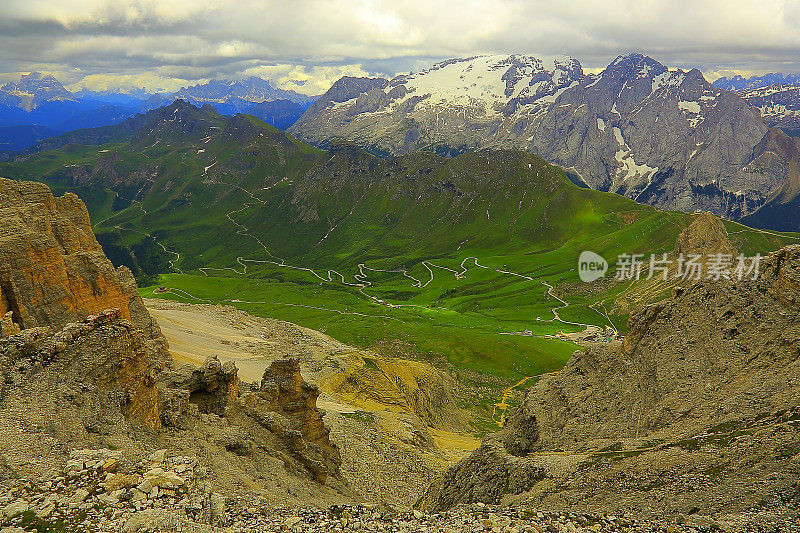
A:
(644, 71)
(692, 111)
(346, 103)
(627, 167)
(618, 137)
(601, 124)
(667, 78)
(777, 110)
(658, 81)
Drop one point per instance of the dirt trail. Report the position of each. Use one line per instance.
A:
(503, 404)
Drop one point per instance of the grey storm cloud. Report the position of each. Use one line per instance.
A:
(307, 44)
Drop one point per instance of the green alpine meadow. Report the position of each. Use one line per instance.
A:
(468, 261)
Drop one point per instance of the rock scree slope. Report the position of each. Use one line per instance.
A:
(107, 380)
(695, 411)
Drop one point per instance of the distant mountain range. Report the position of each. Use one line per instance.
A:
(779, 105)
(776, 95)
(251, 90)
(738, 83)
(660, 136)
(39, 106)
(34, 89)
(187, 167)
(663, 137)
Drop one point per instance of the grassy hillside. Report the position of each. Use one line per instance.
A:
(419, 255)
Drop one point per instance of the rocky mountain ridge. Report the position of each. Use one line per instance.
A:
(34, 89)
(38, 106)
(694, 412)
(250, 90)
(740, 83)
(664, 137)
(268, 444)
(779, 105)
(99, 395)
(52, 269)
(113, 377)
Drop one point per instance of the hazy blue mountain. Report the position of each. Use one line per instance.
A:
(279, 113)
(39, 105)
(14, 138)
(35, 88)
(738, 83)
(254, 90)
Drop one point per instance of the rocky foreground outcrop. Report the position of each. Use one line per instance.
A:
(705, 240)
(107, 381)
(694, 413)
(52, 269)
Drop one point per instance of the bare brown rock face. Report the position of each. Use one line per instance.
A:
(706, 235)
(287, 394)
(282, 414)
(210, 388)
(7, 325)
(91, 377)
(695, 410)
(52, 269)
(83, 363)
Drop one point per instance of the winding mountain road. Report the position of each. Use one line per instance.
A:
(361, 281)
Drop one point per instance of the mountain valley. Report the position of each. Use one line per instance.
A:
(142, 410)
(456, 292)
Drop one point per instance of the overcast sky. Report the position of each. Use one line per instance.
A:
(307, 44)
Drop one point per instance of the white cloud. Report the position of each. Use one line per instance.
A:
(151, 80)
(305, 80)
(307, 44)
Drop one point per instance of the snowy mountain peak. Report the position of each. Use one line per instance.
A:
(635, 65)
(661, 136)
(491, 79)
(36, 88)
